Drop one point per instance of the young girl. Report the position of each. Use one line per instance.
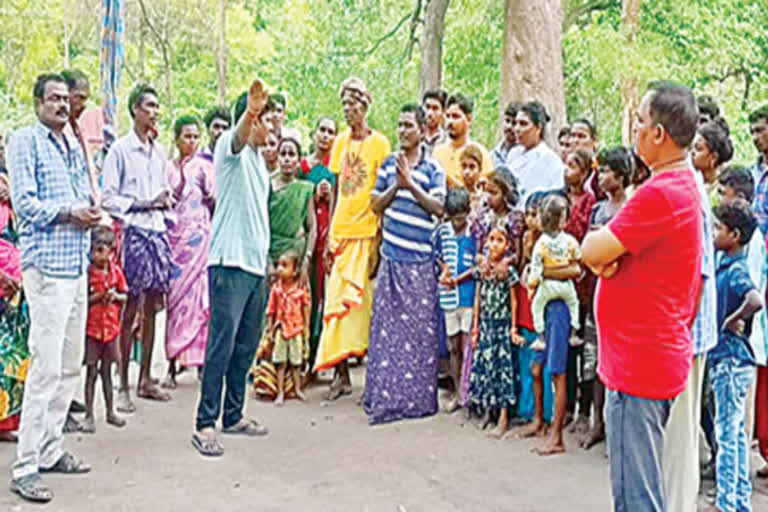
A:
(500, 208)
(288, 323)
(554, 249)
(580, 200)
(471, 170)
(492, 384)
(712, 147)
(107, 293)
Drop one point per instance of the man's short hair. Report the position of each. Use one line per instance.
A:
(217, 113)
(588, 124)
(183, 121)
(464, 102)
(761, 113)
(416, 110)
(241, 103)
(738, 215)
(673, 106)
(74, 76)
(512, 108)
(137, 96)
(537, 113)
(42, 80)
(276, 99)
(620, 160)
(740, 180)
(436, 94)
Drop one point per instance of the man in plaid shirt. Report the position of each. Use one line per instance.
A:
(52, 197)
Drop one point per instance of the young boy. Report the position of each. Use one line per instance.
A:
(107, 293)
(455, 249)
(288, 312)
(732, 360)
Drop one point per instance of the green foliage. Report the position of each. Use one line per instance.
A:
(305, 48)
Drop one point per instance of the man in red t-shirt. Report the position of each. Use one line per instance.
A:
(649, 260)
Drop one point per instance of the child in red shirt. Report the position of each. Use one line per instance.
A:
(288, 323)
(107, 292)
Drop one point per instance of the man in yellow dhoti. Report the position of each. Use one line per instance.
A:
(356, 157)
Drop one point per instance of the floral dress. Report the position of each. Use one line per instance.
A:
(492, 384)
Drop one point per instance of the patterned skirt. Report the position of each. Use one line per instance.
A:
(402, 358)
(492, 384)
(147, 261)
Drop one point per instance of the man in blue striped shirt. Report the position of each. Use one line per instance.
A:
(51, 193)
(409, 194)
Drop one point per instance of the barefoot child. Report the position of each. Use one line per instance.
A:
(492, 386)
(554, 249)
(288, 312)
(455, 250)
(107, 292)
(733, 359)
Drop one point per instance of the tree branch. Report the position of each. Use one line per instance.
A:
(580, 8)
(377, 43)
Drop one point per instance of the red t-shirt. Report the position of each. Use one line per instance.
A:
(104, 318)
(645, 311)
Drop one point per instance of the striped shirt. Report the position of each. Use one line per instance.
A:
(457, 251)
(408, 226)
(47, 176)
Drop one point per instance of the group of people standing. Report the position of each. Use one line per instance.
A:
(503, 271)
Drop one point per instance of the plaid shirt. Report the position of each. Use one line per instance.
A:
(46, 177)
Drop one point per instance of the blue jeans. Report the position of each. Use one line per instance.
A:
(635, 430)
(237, 311)
(730, 382)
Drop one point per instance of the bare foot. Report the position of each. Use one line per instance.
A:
(8, 437)
(580, 426)
(115, 420)
(550, 449)
(300, 395)
(87, 426)
(279, 400)
(593, 437)
(170, 382)
(124, 403)
(151, 392)
(482, 422)
(498, 433)
(453, 405)
(535, 429)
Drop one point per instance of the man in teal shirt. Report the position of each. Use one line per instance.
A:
(237, 266)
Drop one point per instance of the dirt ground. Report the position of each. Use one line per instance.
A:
(319, 457)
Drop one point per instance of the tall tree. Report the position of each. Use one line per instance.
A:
(630, 97)
(431, 45)
(532, 57)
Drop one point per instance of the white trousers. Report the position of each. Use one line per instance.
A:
(681, 444)
(58, 309)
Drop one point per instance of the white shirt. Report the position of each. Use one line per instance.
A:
(536, 169)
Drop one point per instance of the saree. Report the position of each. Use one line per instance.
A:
(189, 237)
(317, 275)
(14, 330)
(288, 210)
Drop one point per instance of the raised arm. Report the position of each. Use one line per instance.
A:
(251, 128)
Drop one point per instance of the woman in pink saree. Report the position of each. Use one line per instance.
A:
(189, 233)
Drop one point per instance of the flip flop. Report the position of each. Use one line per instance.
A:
(153, 394)
(245, 427)
(68, 465)
(207, 445)
(32, 488)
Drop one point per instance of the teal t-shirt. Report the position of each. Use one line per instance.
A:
(240, 234)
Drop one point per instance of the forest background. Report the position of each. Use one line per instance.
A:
(582, 58)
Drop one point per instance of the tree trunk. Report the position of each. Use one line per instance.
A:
(532, 58)
(431, 45)
(221, 52)
(630, 96)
